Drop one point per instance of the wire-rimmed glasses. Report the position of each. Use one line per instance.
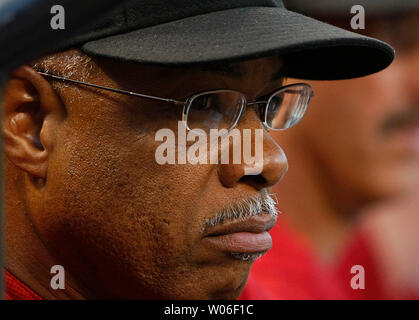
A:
(223, 109)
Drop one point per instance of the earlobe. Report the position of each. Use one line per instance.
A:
(32, 111)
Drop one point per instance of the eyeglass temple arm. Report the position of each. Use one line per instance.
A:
(113, 89)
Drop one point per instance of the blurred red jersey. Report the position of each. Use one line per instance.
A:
(290, 271)
(16, 290)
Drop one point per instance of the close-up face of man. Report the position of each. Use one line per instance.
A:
(98, 199)
(365, 132)
(87, 186)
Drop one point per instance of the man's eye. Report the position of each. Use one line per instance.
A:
(276, 104)
(202, 103)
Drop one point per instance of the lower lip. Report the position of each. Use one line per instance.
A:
(242, 242)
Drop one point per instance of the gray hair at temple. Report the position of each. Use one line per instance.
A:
(71, 64)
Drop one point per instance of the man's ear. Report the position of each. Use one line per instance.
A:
(32, 112)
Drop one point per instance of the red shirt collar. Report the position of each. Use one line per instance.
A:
(16, 290)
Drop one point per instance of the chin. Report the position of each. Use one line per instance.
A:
(231, 294)
(233, 289)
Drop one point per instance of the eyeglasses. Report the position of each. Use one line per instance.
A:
(223, 109)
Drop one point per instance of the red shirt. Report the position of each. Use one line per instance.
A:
(17, 290)
(359, 251)
(290, 271)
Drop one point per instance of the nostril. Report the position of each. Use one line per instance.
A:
(253, 180)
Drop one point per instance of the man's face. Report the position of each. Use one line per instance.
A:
(366, 131)
(128, 227)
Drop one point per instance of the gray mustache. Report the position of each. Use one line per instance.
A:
(261, 203)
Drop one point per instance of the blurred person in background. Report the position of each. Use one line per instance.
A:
(351, 194)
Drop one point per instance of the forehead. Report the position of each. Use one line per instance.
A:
(269, 68)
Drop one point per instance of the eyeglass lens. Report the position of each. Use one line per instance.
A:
(221, 109)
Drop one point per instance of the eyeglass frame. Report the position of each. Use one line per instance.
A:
(186, 103)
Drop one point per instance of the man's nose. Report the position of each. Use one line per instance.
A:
(273, 164)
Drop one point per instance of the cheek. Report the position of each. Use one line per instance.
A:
(332, 124)
(344, 129)
(110, 204)
(348, 115)
(341, 128)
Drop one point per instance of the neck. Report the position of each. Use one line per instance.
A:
(312, 202)
(28, 259)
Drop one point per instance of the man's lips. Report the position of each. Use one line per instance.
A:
(243, 236)
(242, 242)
